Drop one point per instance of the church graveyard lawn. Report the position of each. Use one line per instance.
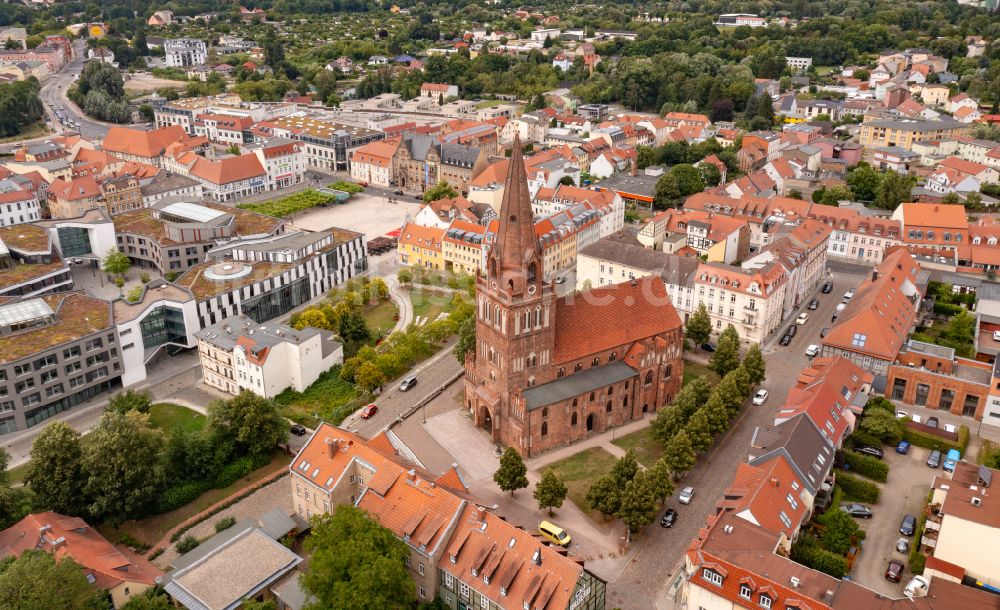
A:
(647, 450)
(579, 471)
(696, 369)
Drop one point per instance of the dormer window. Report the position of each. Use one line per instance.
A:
(765, 600)
(745, 591)
(712, 576)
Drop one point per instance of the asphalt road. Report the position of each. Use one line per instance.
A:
(645, 579)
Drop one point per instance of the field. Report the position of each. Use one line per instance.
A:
(292, 204)
(647, 450)
(579, 471)
(166, 417)
(430, 304)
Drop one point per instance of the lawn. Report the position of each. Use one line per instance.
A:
(379, 318)
(429, 304)
(152, 529)
(696, 369)
(329, 398)
(34, 130)
(824, 70)
(579, 471)
(17, 474)
(647, 449)
(166, 417)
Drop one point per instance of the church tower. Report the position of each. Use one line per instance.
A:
(515, 316)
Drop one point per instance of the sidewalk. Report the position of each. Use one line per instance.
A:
(402, 301)
(602, 440)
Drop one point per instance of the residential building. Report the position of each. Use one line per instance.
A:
(801, 248)
(114, 568)
(328, 143)
(267, 276)
(752, 300)
(441, 213)
(421, 246)
(225, 129)
(607, 202)
(56, 351)
(184, 52)
(928, 375)
(147, 147)
(73, 197)
(459, 552)
(799, 64)
(462, 247)
(931, 230)
(18, 206)
(226, 178)
(856, 237)
(283, 160)
(372, 163)
(525, 380)
(903, 133)
(420, 162)
(238, 354)
(168, 184)
(438, 90)
(121, 193)
(876, 321)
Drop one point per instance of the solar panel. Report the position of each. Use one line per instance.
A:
(192, 211)
(24, 311)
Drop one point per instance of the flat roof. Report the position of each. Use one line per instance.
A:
(192, 211)
(24, 311)
(203, 287)
(76, 316)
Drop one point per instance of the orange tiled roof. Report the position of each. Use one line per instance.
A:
(425, 237)
(142, 143)
(934, 215)
(644, 303)
(376, 153)
(819, 392)
(227, 169)
(84, 187)
(760, 495)
(967, 168)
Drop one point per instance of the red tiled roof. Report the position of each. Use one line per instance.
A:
(142, 143)
(425, 237)
(376, 153)
(934, 215)
(84, 187)
(643, 302)
(763, 496)
(227, 169)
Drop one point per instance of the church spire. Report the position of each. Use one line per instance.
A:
(516, 243)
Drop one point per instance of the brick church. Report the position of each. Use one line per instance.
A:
(548, 371)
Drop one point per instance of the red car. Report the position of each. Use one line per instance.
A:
(894, 571)
(368, 411)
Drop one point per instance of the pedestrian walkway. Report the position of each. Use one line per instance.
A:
(602, 440)
(403, 304)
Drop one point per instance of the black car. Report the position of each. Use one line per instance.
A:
(668, 518)
(824, 332)
(297, 429)
(908, 525)
(813, 304)
(870, 450)
(785, 340)
(791, 330)
(828, 288)
(708, 347)
(932, 422)
(856, 510)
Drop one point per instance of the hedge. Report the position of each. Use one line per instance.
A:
(218, 509)
(291, 204)
(858, 489)
(947, 309)
(931, 441)
(810, 554)
(867, 466)
(180, 494)
(917, 559)
(187, 544)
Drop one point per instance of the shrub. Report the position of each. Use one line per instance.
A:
(187, 544)
(947, 309)
(224, 524)
(858, 489)
(234, 471)
(180, 494)
(963, 438)
(808, 552)
(132, 543)
(347, 187)
(932, 441)
(866, 465)
(170, 276)
(917, 559)
(156, 554)
(286, 206)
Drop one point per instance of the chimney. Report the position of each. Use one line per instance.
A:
(58, 541)
(977, 501)
(481, 513)
(44, 529)
(537, 557)
(632, 171)
(331, 447)
(796, 583)
(774, 482)
(411, 475)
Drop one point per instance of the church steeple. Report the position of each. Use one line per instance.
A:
(516, 262)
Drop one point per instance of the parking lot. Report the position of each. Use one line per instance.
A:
(904, 493)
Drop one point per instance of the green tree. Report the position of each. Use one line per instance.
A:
(56, 472)
(864, 182)
(710, 174)
(678, 454)
(466, 339)
(667, 193)
(894, 190)
(150, 599)
(668, 422)
(379, 289)
(716, 411)
(124, 467)
(130, 400)
(512, 474)
(727, 354)
(405, 276)
(638, 505)
(550, 492)
(441, 190)
(312, 317)
(839, 530)
(753, 363)
(37, 580)
(252, 604)
(14, 503)
(882, 424)
(699, 325)
(661, 481)
(356, 564)
(116, 263)
(689, 180)
(604, 496)
(693, 395)
(250, 421)
(368, 377)
(625, 469)
(699, 430)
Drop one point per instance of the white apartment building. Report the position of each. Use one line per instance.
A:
(17, 207)
(751, 300)
(284, 162)
(185, 52)
(238, 354)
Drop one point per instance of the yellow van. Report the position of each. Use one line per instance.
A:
(554, 533)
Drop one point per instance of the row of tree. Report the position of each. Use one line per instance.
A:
(19, 106)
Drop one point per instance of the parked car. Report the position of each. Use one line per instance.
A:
(932, 422)
(857, 510)
(870, 450)
(813, 304)
(894, 571)
(903, 447)
(785, 339)
(802, 319)
(407, 384)
(902, 414)
(934, 459)
(792, 330)
(917, 587)
(297, 429)
(668, 518)
(369, 411)
(950, 428)
(996, 335)
(554, 534)
(828, 288)
(812, 350)
(908, 525)
(849, 295)
(951, 459)
(397, 193)
(708, 347)
(903, 546)
(824, 332)
(561, 279)
(686, 495)
(760, 397)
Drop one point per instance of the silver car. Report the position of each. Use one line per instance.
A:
(686, 495)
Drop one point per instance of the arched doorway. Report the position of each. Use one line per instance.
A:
(590, 422)
(487, 421)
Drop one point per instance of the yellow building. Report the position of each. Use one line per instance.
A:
(421, 246)
(905, 132)
(462, 247)
(97, 30)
